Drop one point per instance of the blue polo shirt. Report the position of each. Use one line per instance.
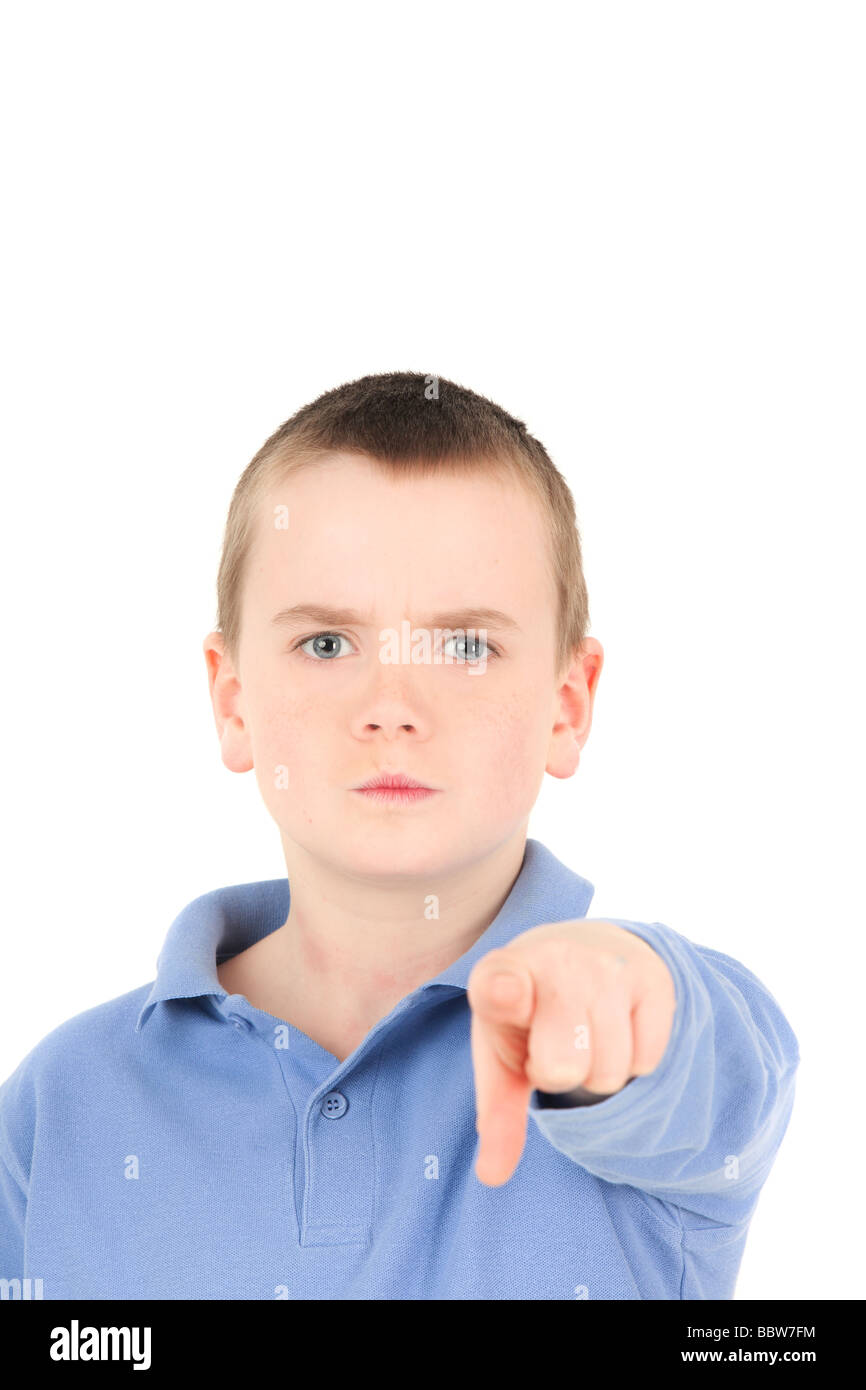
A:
(178, 1143)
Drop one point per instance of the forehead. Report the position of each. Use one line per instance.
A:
(342, 529)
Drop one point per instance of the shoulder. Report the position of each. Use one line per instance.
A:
(73, 1047)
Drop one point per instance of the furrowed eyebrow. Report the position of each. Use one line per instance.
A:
(301, 613)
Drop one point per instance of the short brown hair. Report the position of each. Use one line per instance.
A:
(409, 422)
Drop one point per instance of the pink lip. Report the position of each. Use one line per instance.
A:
(393, 780)
(401, 795)
(395, 787)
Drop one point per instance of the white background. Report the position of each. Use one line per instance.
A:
(638, 227)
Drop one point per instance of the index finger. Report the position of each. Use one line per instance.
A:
(499, 1043)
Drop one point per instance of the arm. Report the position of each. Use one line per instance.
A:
(16, 1116)
(701, 1131)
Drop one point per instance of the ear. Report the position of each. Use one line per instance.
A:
(226, 701)
(574, 700)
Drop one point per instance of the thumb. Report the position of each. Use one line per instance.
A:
(501, 995)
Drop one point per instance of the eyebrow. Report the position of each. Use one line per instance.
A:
(336, 617)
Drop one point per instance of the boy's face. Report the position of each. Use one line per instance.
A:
(318, 721)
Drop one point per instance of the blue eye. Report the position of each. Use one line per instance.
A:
(319, 638)
(323, 647)
(475, 642)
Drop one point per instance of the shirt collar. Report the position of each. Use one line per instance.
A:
(224, 922)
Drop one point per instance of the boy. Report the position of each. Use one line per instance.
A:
(326, 1093)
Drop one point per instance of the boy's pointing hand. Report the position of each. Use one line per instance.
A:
(587, 1004)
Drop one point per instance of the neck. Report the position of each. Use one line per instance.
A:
(351, 948)
(366, 936)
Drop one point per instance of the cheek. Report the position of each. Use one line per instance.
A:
(507, 746)
(290, 731)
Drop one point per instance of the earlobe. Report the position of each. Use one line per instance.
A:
(234, 741)
(564, 763)
(231, 750)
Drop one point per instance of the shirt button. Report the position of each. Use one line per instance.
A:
(334, 1105)
(242, 1024)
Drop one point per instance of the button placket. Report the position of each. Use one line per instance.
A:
(339, 1173)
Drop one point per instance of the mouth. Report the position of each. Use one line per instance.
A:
(395, 787)
(392, 781)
